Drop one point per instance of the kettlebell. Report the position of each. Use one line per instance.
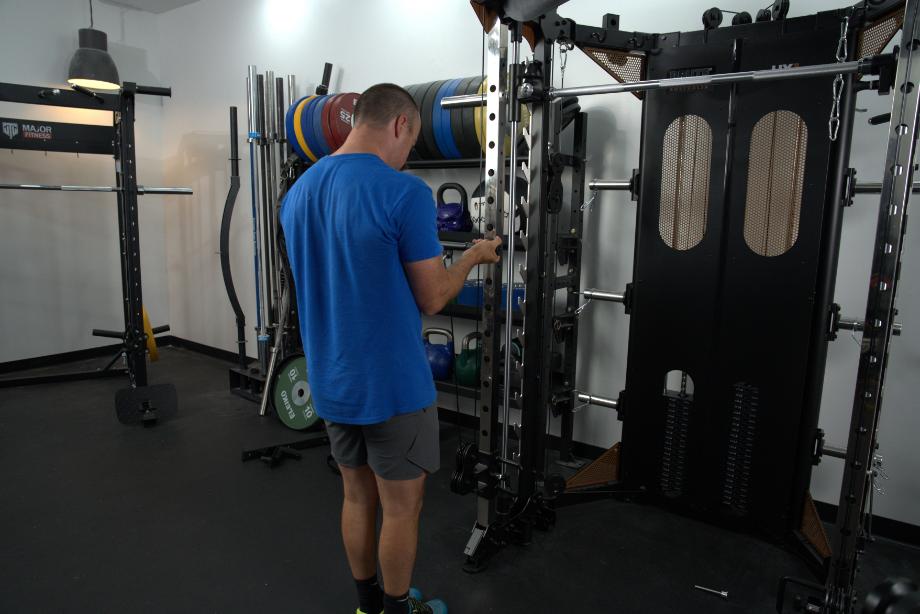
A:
(517, 355)
(454, 217)
(440, 355)
(469, 361)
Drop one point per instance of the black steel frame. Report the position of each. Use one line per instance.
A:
(860, 464)
(512, 497)
(491, 530)
(119, 142)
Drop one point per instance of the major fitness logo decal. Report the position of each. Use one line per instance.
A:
(10, 129)
(39, 132)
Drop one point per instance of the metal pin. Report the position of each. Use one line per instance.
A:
(722, 594)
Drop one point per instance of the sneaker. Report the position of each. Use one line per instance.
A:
(435, 606)
(414, 593)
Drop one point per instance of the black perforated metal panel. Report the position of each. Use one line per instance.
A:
(736, 245)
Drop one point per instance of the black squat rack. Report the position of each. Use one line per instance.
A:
(141, 402)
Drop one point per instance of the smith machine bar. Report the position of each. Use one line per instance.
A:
(140, 402)
(514, 493)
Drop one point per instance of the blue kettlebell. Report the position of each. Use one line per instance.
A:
(454, 217)
(440, 355)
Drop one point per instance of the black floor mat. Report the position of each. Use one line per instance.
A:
(102, 517)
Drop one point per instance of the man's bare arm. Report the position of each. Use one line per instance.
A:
(434, 285)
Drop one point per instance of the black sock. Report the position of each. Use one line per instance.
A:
(370, 595)
(396, 605)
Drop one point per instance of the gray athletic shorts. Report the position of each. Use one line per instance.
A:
(402, 448)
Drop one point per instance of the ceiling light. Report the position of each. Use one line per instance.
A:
(91, 65)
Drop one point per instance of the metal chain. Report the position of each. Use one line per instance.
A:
(833, 125)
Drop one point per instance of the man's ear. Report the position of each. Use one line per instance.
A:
(402, 124)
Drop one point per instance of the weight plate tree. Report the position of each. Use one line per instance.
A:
(291, 396)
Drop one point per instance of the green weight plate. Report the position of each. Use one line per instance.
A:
(431, 144)
(291, 396)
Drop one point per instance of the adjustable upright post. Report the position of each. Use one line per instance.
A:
(539, 275)
(897, 181)
(126, 180)
(570, 244)
(490, 393)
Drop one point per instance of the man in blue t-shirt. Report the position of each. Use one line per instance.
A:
(364, 252)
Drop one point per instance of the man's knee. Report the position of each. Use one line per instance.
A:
(360, 486)
(405, 510)
(402, 498)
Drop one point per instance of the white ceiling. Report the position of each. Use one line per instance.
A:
(153, 6)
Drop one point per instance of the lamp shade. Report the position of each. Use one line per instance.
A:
(91, 65)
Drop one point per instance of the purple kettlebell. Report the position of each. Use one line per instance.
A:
(454, 217)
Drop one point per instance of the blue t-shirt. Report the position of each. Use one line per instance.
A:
(350, 222)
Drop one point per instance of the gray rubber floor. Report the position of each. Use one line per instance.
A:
(99, 517)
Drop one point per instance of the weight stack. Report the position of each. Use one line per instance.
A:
(318, 125)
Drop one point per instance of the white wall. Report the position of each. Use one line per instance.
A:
(59, 252)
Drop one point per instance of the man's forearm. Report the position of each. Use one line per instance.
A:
(457, 274)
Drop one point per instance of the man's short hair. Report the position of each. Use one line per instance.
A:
(382, 103)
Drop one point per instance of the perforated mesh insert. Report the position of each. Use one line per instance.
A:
(624, 66)
(776, 174)
(876, 36)
(685, 169)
